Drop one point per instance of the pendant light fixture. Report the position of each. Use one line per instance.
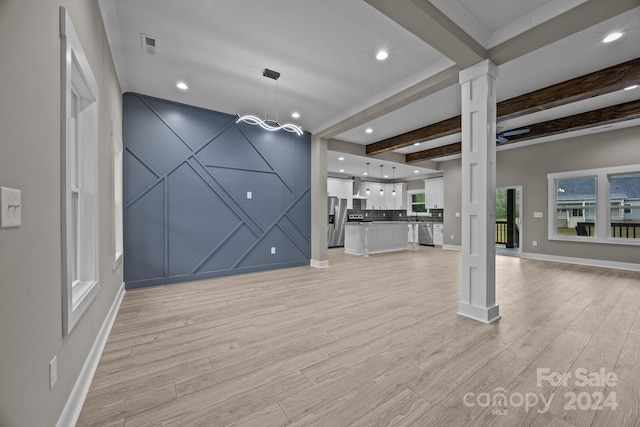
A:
(381, 190)
(270, 125)
(393, 180)
(367, 178)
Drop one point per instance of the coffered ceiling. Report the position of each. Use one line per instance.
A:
(325, 51)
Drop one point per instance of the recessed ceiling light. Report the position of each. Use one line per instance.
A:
(416, 144)
(416, 171)
(612, 37)
(341, 158)
(382, 55)
(386, 176)
(364, 173)
(369, 130)
(341, 170)
(631, 87)
(182, 86)
(295, 115)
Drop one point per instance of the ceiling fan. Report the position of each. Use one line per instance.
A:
(503, 136)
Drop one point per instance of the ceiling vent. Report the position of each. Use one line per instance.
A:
(271, 74)
(148, 44)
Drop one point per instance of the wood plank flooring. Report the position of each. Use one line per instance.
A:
(371, 341)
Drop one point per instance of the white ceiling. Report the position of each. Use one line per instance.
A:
(325, 51)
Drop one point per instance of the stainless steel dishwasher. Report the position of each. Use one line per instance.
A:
(425, 233)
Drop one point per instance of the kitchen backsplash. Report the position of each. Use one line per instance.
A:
(396, 215)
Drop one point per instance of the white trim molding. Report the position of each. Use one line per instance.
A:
(452, 247)
(319, 264)
(582, 261)
(73, 407)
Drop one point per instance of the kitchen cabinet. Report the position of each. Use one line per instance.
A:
(386, 201)
(438, 238)
(434, 193)
(341, 188)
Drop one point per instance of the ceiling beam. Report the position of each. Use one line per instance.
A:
(436, 130)
(579, 18)
(599, 82)
(434, 28)
(603, 116)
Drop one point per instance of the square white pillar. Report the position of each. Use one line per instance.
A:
(319, 255)
(478, 284)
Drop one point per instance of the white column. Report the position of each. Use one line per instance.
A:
(319, 255)
(478, 284)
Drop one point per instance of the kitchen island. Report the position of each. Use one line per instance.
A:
(364, 238)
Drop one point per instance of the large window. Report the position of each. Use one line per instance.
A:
(624, 193)
(79, 123)
(595, 205)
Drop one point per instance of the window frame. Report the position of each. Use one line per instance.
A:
(79, 100)
(410, 211)
(603, 205)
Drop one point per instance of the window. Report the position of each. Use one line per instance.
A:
(595, 205)
(79, 168)
(624, 191)
(416, 202)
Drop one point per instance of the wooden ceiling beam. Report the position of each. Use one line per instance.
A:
(603, 116)
(587, 86)
(436, 130)
(593, 84)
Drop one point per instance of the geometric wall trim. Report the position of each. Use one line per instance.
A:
(188, 173)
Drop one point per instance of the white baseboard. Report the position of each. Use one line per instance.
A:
(452, 247)
(71, 411)
(319, 264)
(583, 261)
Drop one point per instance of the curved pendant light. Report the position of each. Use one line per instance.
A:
(381, 190)
(393, 180)
(270, 125)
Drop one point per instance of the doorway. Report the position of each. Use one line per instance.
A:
(508, 220)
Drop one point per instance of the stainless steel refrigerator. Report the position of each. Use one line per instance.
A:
(337, 216)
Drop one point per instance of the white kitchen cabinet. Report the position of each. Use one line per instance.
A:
(387, 201)
(438, 238)
(342, 188)
(434, 193)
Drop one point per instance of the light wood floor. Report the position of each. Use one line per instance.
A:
(369, 341)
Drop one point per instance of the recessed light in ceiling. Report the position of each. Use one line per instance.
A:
(364, 173)
(341, 170)
(631, 87)
(386, 176)
(182, 86)
(369, 130)
(341, 158)
(416, 171)
(295, 115)
(612, 37)
(382, 55)
(416, 143)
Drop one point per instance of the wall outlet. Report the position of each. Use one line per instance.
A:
(534, 243)
(537, 214)
(249, 195)
(457, 214)
(53, 372)
(384, 214)
(452, 237)
(273, 250)
(11, 206)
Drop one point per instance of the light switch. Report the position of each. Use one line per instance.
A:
(11, 205)
(249, 195)
(273, 250)
(537, 214)
(457, 214)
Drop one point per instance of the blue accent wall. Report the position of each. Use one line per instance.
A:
(187, 216)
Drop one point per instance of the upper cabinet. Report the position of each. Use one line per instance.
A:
(434, 193)
(386, 200)
(342, 188)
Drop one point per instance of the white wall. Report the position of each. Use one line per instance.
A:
(528, 167)
(30, 256)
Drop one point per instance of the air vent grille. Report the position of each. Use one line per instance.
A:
(271, 74)
(148, 44)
